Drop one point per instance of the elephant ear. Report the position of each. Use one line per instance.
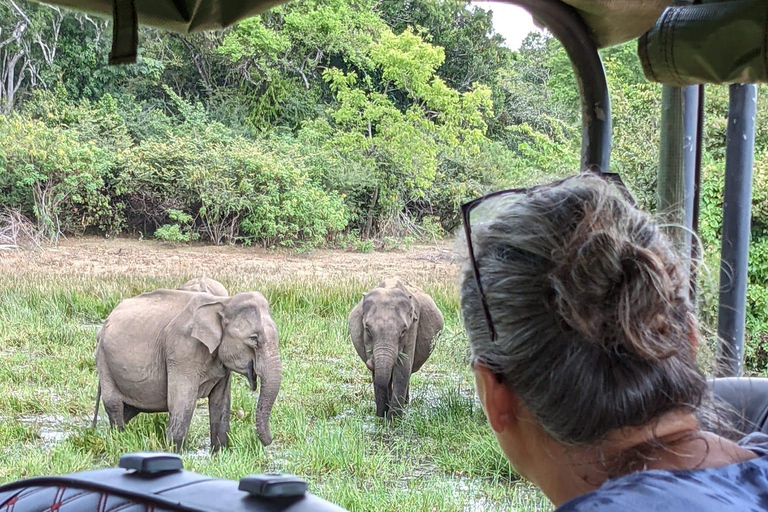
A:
(355, 322)
(206, 324)
(430, 324)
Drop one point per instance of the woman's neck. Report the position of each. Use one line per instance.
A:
(673, 442)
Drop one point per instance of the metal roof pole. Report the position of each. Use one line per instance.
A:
(695, 245)
(737, 201)
(670, 186)
(677, 163)
(568, 27)
(691, 161)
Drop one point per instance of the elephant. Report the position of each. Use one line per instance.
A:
(163, 350)
(205, 284)
(392, 329)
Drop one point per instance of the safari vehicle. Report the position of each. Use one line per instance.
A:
(682, 45)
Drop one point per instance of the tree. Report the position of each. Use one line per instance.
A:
(400, 144)
(474, 53)
(277, 59)
(29, 37)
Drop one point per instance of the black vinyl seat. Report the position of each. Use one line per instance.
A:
(152, 482)
(746, 401)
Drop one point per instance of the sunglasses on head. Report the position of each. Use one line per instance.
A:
(469, 207)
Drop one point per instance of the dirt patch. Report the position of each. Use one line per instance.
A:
(98, 256)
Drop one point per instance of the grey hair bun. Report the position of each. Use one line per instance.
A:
(615, 292)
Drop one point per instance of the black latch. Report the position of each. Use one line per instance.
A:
(273, 486)
(125, 32)
(149, 463)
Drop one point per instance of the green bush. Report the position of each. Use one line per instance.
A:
(75, 167)
(180, 232)
(171, 233)
(53, 177)
(237, 189)
(363, 245)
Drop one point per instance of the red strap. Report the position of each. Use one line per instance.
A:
(10, 503)
(57, 498)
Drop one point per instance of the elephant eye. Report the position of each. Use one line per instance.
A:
(253, 340)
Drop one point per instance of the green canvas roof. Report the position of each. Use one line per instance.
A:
(612, 21)
(616, 21)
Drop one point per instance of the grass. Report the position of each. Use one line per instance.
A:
(441, 456)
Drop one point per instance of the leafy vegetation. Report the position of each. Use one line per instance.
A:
(315, 119)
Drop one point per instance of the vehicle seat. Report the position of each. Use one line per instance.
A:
(144, 486)
(746, 401)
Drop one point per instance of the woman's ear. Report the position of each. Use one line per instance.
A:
(500, 403)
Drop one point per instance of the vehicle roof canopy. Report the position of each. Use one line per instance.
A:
(611, 21)
(681, 43)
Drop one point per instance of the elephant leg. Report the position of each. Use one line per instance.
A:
(113, 402)
(114, 408)
(182, 395)
(400, 377)
(218, 412)
(129, 412)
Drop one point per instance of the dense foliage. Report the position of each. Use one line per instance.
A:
(321, 122)
(316, 119)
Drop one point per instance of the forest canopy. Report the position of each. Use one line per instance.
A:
(316, 120)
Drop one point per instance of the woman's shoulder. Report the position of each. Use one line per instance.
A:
(757, 442)
(742, 486)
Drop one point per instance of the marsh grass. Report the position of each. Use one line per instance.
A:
(440, 456)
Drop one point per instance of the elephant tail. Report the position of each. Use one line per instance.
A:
(96, 409)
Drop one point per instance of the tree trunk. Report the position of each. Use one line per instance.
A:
(369, 222)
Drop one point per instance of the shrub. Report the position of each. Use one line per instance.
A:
(180, 232)
(171, 233)
(54, 178)
(237, 189)
(363, 245)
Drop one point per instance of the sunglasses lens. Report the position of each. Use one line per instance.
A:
(483, 211)
(488, 208)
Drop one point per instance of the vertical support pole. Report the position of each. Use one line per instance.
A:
(737, 201)
(677, 162)
(691, 161)
(568, 27)
(695, 248)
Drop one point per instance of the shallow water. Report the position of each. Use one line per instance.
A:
(50, 428)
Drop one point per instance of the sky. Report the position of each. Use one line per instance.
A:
(512, 22)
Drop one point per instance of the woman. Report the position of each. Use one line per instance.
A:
(584, 342)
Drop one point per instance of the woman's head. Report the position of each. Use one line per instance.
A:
(595, 329)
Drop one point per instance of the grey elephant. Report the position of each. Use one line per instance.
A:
(163, 350)
(206, 285)
(392, 328)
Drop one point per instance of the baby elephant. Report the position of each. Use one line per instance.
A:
(163, 350)
(205, 284)
(392, 329)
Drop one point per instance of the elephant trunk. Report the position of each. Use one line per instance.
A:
(270, 385)
(384, 356)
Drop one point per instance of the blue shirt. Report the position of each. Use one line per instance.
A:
(741, 487)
